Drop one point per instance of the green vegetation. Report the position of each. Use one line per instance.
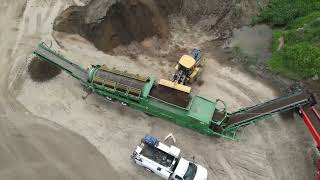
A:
(281, 12)
(298, 23)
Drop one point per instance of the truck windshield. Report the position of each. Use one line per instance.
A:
(191, 172)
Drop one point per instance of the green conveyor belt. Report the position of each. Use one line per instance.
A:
(75, 70)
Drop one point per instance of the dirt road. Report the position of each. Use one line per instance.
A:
(34, 116)
(31, 147)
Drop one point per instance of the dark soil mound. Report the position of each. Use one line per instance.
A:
(109, 23)
(40, 70)
(71, 21)
(167, 7)
(122, 23)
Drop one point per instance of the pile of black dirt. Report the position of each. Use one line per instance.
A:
(41, 71)
(167, 7)
(110, 23)
(71, 21)
(122, 23)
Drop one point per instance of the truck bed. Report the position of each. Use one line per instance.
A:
(157, 155)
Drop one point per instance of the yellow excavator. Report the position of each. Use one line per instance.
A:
(188, 68)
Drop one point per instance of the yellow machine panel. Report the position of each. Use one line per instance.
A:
(176, 67)
(187, 61)
(174, 85)
(194, 75)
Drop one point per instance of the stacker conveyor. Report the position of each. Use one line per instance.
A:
(250, 115)
(153, 97)
(277, 105)
(45, 53)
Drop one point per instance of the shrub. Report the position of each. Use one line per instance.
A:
(310, 32)
(300, 56)
(282, 12)
(300, 22)
(297, 61)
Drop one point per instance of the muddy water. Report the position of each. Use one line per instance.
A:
(253, 42)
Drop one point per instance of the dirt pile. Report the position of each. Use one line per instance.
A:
(110, 23)
(167, 7)
(123, 22)
(40, 70)
(71, 21)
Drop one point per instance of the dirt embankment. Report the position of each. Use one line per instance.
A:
(109, 23)
(122, 22)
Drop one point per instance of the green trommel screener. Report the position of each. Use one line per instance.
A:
(171, 101)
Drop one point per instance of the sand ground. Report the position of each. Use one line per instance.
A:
(49, 132)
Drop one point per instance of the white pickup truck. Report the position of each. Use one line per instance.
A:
(166, 162)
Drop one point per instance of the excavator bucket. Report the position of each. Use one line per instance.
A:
(174, 85)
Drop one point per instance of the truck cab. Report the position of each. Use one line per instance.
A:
(187, 170)
(166, 162)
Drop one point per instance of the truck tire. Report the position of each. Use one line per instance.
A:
(147, 169)
(148, 114)
(124, 104)
(108, 98)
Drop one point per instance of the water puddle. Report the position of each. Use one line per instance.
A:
(253, 42)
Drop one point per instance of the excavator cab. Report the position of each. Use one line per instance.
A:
(188, 67)
(186, 64)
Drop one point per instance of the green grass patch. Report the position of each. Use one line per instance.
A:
(282, 12)
(309, 32)
(300, 56)
(300, 22)
(298, 61)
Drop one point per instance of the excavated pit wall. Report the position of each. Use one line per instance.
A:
(110, 23)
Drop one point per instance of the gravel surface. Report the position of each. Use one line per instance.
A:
(49, 132)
